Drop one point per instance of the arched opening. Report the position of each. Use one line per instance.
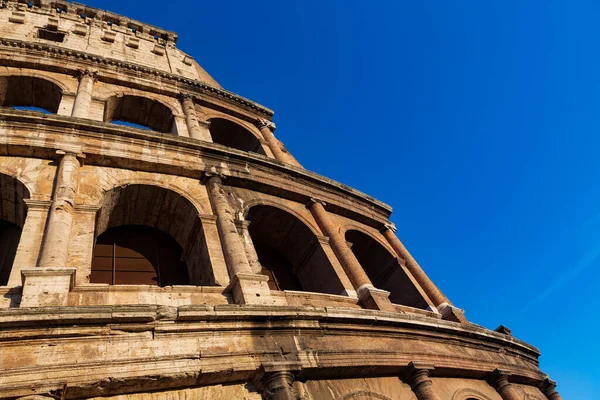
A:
(137, 254)
(12, 218)
(140, 112)
(384, 271)
(154, 229)
(26, 92)
(233, 135)
(289, 253)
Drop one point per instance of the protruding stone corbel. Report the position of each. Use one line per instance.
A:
(419, 381)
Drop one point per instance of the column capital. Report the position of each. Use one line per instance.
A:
(499, 379)
(93, 73)
(388, 226)
(548, 387)
(185, 96)
(313, 201)
(264, 123)
(62, 153)
(212, 173)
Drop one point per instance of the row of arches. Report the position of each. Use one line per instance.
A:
(151, 235)
(43, 95)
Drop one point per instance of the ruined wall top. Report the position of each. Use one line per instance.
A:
(78, 27)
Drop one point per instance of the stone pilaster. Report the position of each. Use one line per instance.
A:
(195, 129)
(55, 245)
(247, 287)
(278, 385)
(369, 296)
(420, 383)
(83, 99)
(548, 387)
(267, 128)
(499, 381)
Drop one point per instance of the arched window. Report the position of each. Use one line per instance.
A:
(25, 92)
(384, 271)
(289, 252)
(152, 235)
(140, 112)
(137, 254)
(233, 135)
(12, 218)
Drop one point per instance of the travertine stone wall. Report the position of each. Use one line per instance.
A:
(462, 389)
(388, 388)
(69, 176)
(216, 392)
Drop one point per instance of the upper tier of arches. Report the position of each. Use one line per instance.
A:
(132, 108)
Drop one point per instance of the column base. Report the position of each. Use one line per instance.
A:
(46, 287)
(451, 313)
(375, 299)
(253, 289)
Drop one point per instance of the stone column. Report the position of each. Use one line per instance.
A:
(442, 303)
(55, 245)
(368, 295)
(278, 386)
(499, 381)
(83, 99)
(195, 130)
(548, 387)
(420, 383)
(415, 269)
(247, 288)
(267, 128)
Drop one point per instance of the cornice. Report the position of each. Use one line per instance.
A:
(58, 316)
(151, 73)
(182, 145)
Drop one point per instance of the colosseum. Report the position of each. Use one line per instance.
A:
(158, 242)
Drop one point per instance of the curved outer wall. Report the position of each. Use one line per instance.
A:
(297, 286)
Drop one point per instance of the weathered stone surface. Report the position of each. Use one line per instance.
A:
(273, 299)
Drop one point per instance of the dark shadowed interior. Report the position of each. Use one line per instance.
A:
(384, 271)
(290, 253)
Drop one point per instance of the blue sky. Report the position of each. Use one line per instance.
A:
(478, 121)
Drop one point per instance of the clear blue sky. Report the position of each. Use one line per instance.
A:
(478, 121)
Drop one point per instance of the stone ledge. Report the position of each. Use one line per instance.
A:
(125, 67)
(18, 317)
(191, 146)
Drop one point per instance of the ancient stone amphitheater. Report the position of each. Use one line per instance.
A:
(196, 258)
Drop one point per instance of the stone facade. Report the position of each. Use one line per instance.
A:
(290, 285)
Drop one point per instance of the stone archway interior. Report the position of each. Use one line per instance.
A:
(384, 271)
(12, 218)
(290, 253)
(166, 211)
(30, 92)
(233, 135)
(140, 112)
(137, 254)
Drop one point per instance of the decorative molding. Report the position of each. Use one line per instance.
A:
(360, 394)
(465, 394)
(151, 72)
